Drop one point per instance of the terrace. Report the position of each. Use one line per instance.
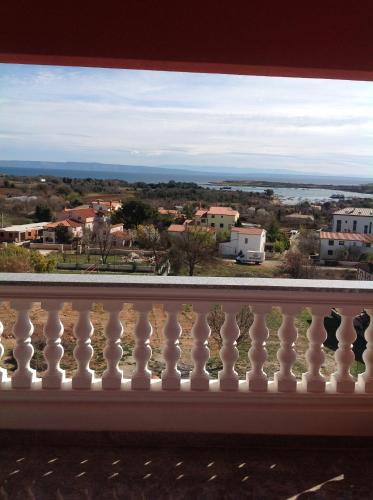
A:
(287, 39)
(160, 424)
(313, 405)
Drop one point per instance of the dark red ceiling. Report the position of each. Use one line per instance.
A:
(329, 38)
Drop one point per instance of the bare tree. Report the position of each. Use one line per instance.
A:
(149, 237)
(216, 319)
(196, 246)
(297, 265)
(102, 236)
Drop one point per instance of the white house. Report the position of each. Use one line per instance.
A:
(353, 220)
(244, 239)
(344, 246)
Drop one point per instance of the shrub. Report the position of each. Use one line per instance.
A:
(14, 259)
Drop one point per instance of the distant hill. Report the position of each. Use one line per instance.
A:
(133, 173)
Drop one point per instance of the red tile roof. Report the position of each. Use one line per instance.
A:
(65, 222)
(366, 238)
(83, 213)
(202, 212)
(222, 211)
(248, 230)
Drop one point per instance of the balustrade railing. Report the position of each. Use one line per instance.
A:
(21, 291)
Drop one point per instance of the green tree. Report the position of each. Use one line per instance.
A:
(63, 235)
(42, 213)
(133, 213)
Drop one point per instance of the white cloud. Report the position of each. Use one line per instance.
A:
(155, 118)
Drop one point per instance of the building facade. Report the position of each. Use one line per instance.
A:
(22, 232)
(353, 220)
(244, 239)
(344, 246)
(219, 218)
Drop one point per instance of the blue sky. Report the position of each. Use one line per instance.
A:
(180, 119)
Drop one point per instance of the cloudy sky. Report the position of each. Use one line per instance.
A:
(181, 119)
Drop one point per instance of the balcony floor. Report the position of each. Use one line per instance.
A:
(208, 468)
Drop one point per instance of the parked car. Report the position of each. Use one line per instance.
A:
(250, 257)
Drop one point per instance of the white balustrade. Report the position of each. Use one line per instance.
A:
(171, 352)
(365, 380)
(24, 376)
(83, 351)
(285, 380)
(142, 352)
(3, 372)
(256, 378)
(342, 380)
(228, 377)
(281, 404)
(113, 376)
(312, 380)
(200, 378)
(53, 350)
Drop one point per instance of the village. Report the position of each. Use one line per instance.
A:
(130, 234)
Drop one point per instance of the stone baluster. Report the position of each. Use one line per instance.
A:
(365, 380)
(142, 352)
(342, 380)
(312, 380)
(200, 378)
(112, 376)
(285, 380)
(53, 350)
(83, 351)
(228, 377)
(3, 372)
(257, 379)
(24, 376)
(171, 353)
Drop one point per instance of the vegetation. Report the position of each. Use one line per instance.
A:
(195, 246)
(133, 213)
(63, 235)
(15, 259)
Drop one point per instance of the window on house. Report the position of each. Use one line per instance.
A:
(331, 243)
(365, 229)
(330, 252)
(370, 227)
(354, 224)
(339, 225)
(221, 225)
(212, 224)
(246, 241)
(368, 245)
(341, 243)
(212, 216)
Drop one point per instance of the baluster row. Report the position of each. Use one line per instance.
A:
(257, 381)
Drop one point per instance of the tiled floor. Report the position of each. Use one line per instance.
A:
(32, 471)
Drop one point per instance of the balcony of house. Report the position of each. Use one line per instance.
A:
(41, 393)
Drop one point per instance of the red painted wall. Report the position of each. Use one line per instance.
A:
(330, 38)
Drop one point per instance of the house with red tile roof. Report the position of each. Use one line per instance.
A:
(75, 230)
(220, 218)
(344, 246)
